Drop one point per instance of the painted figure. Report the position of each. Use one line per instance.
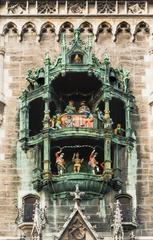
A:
(69, 121)
(70, 108)
(58, 121)
(84, 108)
(77, 162)
(93, 162)
(77, 59)
(60, 162)
(119, 130)
(100, 114)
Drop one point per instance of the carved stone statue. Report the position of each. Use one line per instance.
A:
(60, 162)
(93, 162)
(70, 108)
(77, 162)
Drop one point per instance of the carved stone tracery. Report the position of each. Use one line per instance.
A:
(106, 7)
(17, 7)
(46, 7)
(136, 7)
(77, 230)
(76, 7)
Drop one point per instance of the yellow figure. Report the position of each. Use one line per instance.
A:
(77, 162)
(77, 59)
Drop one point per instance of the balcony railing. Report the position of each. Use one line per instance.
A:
(78, 120)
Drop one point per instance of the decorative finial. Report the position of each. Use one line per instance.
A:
(118, 233)
(47, 59)
(77, 35)
(77, 196)
(106, 59)
(132, 236)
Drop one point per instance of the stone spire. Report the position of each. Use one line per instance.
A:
(39, 221)
(77, 196)
(118, 233)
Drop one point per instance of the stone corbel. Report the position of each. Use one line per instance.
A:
(132, 34)
(114, 33)
(57, 33)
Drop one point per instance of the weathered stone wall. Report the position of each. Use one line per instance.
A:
(15, 166)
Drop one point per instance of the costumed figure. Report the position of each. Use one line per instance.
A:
(77, 162)
(60, 162)
(100, 114)
(58, 121)
(53, 122)
(119, 130)
(70, 108)
(93, 163)
(84, 108)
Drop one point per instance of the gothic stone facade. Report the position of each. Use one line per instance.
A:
(29, 29)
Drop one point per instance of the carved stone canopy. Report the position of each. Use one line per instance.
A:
(78, 228)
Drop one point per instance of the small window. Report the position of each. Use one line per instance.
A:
(29, 206)
(77, 58)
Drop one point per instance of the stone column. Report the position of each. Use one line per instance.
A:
(107, 138)
(46, 147)
(128, 118)
(24, 116)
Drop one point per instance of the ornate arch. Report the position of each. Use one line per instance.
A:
(123, 27)
(66, 26)
(103, 27)
(10, 26)
(86, 25)
(46, 28)
(141, 27)
(27, 27)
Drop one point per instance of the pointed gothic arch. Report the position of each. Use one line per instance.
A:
(86, 26)
(10, 26)
(47, 28)
(27, 28)
(123, 31)
(104, 28)
(142, 29)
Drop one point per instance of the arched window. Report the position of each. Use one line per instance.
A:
(28, 206)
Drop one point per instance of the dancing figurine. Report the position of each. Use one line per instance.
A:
(77, 162)
(84, 109)
(93, 162)
(70, 108)
(60, 162)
